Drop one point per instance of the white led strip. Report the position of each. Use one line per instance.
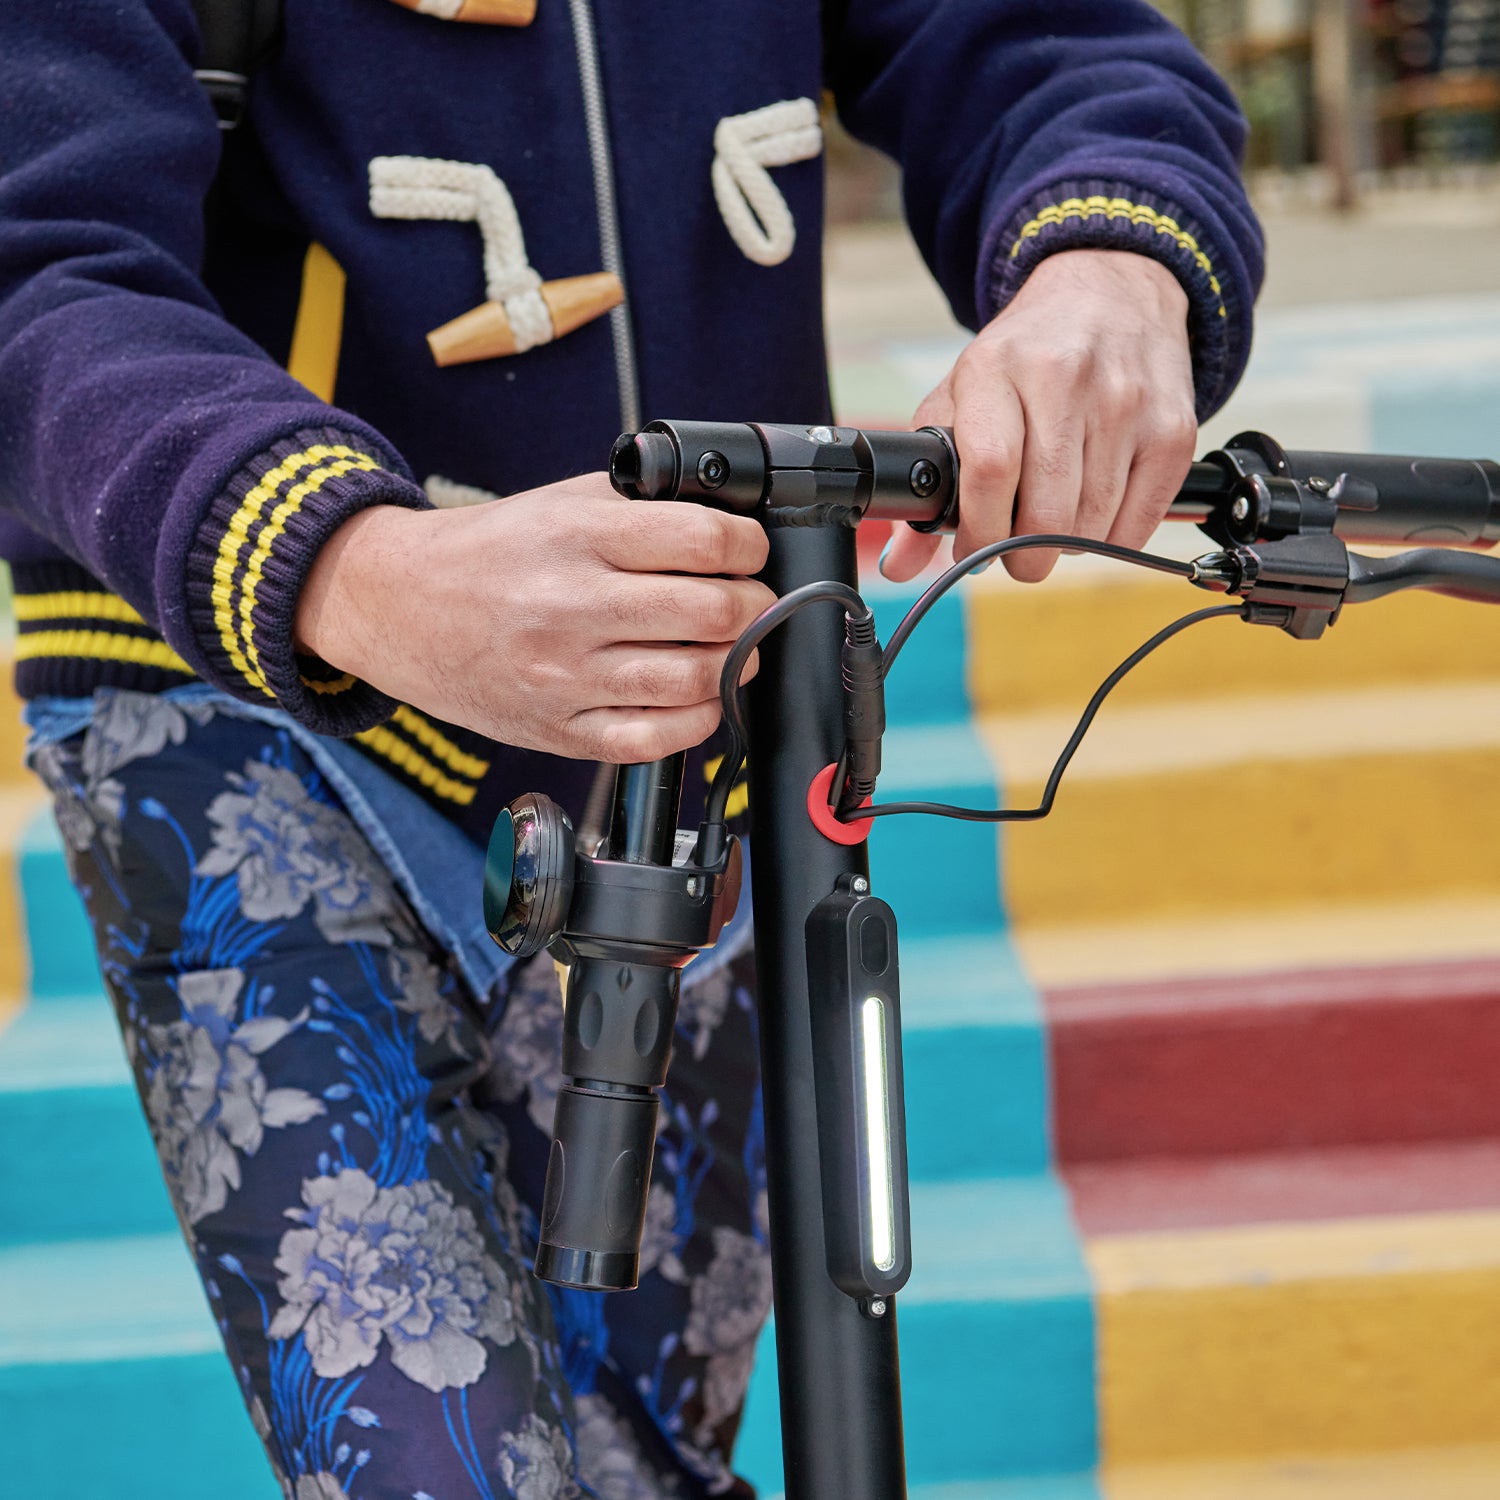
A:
(882, 1203)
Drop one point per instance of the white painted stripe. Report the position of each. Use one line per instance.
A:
(1243, 728)
(1269, 937)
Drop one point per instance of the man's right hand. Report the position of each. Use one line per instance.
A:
(563, 619)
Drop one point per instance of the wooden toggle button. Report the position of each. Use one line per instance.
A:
(482, 12)
(484, 332)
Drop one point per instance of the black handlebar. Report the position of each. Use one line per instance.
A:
(776, 471)
(1377, 498)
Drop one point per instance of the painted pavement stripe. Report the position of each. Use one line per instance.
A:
(1457, 1473)
(1271, 937)
(1159, 738)
(1312, 1185)
(1321, 1057)
(1364, 1334)
(61, 1303)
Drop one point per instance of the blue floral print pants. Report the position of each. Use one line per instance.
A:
(355, 1144)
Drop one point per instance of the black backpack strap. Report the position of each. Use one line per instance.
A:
(238, 36)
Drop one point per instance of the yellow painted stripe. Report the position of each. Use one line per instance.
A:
(1461, 1472)
(1356, 1335)
(13, 732)
(1156, 739)
(1048, 647)
(1100, 207)
(319, 329)
(101, 646)
(1319, 934)
(1225, 840)
(429, 737)
(74, 604)
(401, 754)
(275, 525)
(237, 533)
(19, 808)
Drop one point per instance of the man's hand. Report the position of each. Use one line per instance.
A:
(1072, 411)
(563, 619)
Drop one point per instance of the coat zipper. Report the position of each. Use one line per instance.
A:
(597, 124)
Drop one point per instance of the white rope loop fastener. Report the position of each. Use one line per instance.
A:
(754, 211)
(422, 187)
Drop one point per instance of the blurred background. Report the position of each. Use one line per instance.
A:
(1203, 1072)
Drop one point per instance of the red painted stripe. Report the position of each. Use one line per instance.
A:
(1284, 1187)
(1268, 1061)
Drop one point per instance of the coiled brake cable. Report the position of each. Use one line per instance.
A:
(856, 608)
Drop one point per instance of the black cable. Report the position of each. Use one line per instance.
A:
(1049, 792)
(941, 585)
(729, 680)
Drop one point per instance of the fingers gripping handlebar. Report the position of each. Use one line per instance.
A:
(1282, 519)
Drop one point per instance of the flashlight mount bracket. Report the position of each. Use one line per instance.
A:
(625, 924)
(1278, 550)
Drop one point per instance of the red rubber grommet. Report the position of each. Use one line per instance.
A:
(822, 814)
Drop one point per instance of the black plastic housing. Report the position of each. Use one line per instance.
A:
(852, 964)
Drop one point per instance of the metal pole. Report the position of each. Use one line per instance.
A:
(1334, 27)
(839, 1373)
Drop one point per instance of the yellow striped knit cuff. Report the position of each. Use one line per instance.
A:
(1108, 215)
(251, 557)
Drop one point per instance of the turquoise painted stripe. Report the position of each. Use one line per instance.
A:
(997, 1341)
(81, 1162)
(133, 1297)
(63, 961)
(941, 875)
(927, 683)
(975, 1060)
(141, 1429)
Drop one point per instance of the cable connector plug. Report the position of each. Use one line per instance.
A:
(864, 709)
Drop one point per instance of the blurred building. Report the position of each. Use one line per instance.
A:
(1347, 93)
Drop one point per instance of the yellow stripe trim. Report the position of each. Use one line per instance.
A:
(739, 793)
(328, 685)
(74, 604)
(102, 646)
(1121, 208)
(400, 754)
(273, 528)
(237, 533)
(319, 329)
(440, 745)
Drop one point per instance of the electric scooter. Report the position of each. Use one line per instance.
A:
(628, 913)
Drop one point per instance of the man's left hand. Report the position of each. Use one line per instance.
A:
(1072, 411)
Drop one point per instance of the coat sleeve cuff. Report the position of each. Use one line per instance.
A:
(250, 558)
(1106, 215)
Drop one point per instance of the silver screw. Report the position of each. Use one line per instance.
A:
(1240, 510)
(877, 1307)
(821, 434)
(859, 885)
(695, 886)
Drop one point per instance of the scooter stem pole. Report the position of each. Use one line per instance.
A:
(839, 1370)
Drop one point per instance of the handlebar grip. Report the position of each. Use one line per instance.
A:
(1449, 502)
(1382, 498)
